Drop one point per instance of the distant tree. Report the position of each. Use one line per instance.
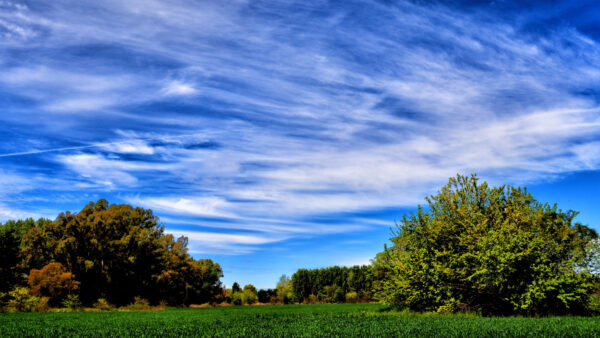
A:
(9, 259)
(495, 250)
(250, 295)
(183, 279)
(357, 279)
(237, 298)
(13, 268)
(284, 290)
(250, 288)
(235, 287)
(52, 281)
(264, 296)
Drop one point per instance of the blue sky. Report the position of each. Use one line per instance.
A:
(286, 134)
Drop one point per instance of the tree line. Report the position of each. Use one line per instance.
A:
(473, 248)
(333, 284)
(108, 252)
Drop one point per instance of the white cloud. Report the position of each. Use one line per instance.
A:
(130, 147)
(224, 243)
(179, 88)
(207, 206)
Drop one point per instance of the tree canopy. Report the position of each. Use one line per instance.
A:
(496, 250)
(113, 252)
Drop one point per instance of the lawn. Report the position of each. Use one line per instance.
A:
(289, 320)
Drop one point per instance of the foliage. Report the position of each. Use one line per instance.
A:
(285, 294)
(236, 298)
(249, 294)
(20, 300)
(264, 296)
(495, 250)
(339, 320)
(52, 281)
(111, 251)
(72, 302)
(103, 305)
(138, 304)
(9, 258)
(358, 279)
(351, 297)
(235, 287)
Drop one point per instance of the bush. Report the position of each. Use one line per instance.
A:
(72, 302)
(595, 304)
(52, 281)
(103, 305)
(236, 298)
(20, 300)
(249, 297)
(489, 250)
(351, 297)
(138, 304)
(311, 299)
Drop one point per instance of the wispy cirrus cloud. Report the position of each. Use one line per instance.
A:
(271, 118)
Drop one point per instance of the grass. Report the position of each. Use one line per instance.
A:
(339, 320)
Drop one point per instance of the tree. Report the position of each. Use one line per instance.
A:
(52, 281)
(265, 296)
(235, 287)
(249, 294)
(284, 290)
(117, 252)
(9, 259)
(495, 250)
(307, 282)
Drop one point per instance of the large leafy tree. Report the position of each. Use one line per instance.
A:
(118, 252)
(491, 249)
(12, 270)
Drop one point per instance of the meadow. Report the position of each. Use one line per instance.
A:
(287, 320)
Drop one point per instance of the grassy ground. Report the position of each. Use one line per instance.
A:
(340, 320)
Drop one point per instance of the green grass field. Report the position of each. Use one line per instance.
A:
(289, 320)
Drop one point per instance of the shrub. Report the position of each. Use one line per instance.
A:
(42, 305)
(138, 304)
(20, 300)
(102, 305)
(236, 298)
(52, 281)
(249, 297)
(489, 250)
(72, 302)
(351, 297)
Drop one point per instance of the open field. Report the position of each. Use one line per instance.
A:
(288, 320)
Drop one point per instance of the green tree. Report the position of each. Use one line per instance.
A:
(9, 259)
(235, 287)
(249, 294)
(492, 249)
(284, 290)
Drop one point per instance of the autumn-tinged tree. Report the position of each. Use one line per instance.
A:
(118, 252)
(13, 268)
(52, 281)
(491, 249)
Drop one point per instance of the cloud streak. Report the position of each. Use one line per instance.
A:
(270, 117)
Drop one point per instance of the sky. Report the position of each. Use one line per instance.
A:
(279, 135)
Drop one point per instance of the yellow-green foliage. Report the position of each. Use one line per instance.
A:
(490, 250)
